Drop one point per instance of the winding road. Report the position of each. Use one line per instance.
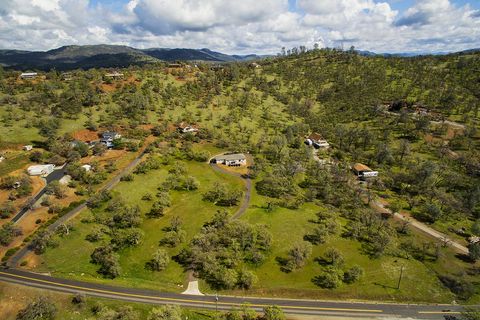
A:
(56, 175)
(424, 228)
(290, 306)
(20, 254)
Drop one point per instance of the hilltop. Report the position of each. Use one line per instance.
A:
(104, 56)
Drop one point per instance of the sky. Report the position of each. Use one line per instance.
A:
(243, 26)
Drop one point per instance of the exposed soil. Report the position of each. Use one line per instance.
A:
(28, 226)
(116, 84)
(110, 155)
(85, 135)
(37, 184)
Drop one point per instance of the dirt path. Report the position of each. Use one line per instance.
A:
(191, 280)
(422, 227)
(248, 186)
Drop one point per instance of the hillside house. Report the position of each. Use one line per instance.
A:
(474, 239)
(363, 172)
(29, 75)
(28, 147)
(114, 75)
(316, 140)
(67, 76)
(231, 160)
(185, 128)
(174, 65)
(41, 170)
(108, 137)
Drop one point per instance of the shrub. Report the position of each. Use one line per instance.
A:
(463, 289)
(159, 261)
(41, 308)
(353, 274)
(127, 177)
(331, 278)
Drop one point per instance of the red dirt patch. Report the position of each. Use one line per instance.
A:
(85, 135)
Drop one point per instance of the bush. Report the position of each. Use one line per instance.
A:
(273, 313)
(41, 309)
(353, 274)
(79, 299)
(461, 288)
(6, 210)
(41, 241)
(331, 278)
(127, 177)
(159, 261)
(8, 232)
(168, 312)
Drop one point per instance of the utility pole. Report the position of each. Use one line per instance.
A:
(400, 278)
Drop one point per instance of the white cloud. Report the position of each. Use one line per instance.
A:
(241, 26)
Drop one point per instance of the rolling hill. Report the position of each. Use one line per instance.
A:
(98, 56)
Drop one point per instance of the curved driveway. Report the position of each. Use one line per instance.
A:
(248, 186)
(290, 306)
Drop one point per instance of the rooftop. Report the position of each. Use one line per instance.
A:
(361, 167)
(230, 157)
(315, 136)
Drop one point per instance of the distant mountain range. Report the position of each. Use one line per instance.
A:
(107, 56)
(413, 54)
(114, 56)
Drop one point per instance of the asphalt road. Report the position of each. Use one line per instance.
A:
(20, 254)
(54, 176)
(290, 306)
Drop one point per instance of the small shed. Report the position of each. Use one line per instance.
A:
(2, 158)
(41, 170)
(87, 167)
(28, 147)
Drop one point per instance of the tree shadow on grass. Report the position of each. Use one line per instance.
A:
(384, 286)
(283, 263)
(464, 257)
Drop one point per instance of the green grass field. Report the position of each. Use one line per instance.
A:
(381, 275)
(71, 258)
(14, 160)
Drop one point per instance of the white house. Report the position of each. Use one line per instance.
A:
(231, 160)
(28, 147)
(87, 167)
(114, 75)
(41, 170)
(28, 75)
(108, 137)
(316, 140)
(185, 128)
